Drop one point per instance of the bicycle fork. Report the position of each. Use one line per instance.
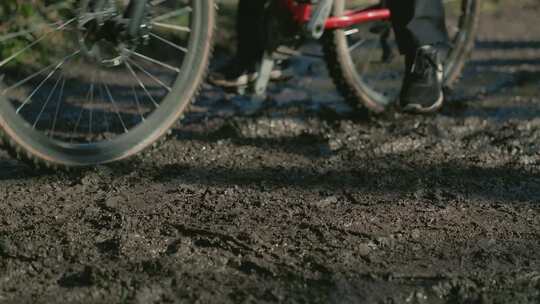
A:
(135, 12)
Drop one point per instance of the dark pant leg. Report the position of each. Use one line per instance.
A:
(417, 23)
(249, 26)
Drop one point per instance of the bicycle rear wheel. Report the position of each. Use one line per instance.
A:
(77, 88)
(364, 62)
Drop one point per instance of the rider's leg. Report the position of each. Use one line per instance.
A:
(250, 30)
(250, 46)
(422, 37)
(418, 23)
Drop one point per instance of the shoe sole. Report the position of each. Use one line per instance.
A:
(277, 76)
(418, 109)
(228, 84)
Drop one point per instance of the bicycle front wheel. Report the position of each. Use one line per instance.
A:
(86, 82)
(364, 62)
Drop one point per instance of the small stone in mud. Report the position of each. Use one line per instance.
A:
(386, 241)
(327, 202)
(5, 248)
(364, 249)
(112, 203)
(89, 180)
(335, 144)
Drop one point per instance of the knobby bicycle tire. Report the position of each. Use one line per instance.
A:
(40, 149)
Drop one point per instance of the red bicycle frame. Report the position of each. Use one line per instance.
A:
(302, 14)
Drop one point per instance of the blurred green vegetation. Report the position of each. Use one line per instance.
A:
(24, 21)
(13, 14)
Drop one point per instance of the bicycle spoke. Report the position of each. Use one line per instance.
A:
(61, 27)
(173, 14)
(105, 120)
(25, 80)
(46, 102)
(50, 8)
(168, 88)
(89, 98)
(113, 102)
(93, 15)
(157, 2)
(141, 84)
(60, 99)
(26, 32)
(168, 42)
(357, 45)
(163, 64)
(43, 82)
(138, 103)
(179, 28)
(91, 111)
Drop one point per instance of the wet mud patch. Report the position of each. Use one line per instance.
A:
(300, 199)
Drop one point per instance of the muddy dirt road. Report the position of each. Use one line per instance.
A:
(299, 200)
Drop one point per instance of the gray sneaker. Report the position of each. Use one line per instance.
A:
(422, 90)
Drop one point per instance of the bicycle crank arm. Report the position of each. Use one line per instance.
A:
(316, 25)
